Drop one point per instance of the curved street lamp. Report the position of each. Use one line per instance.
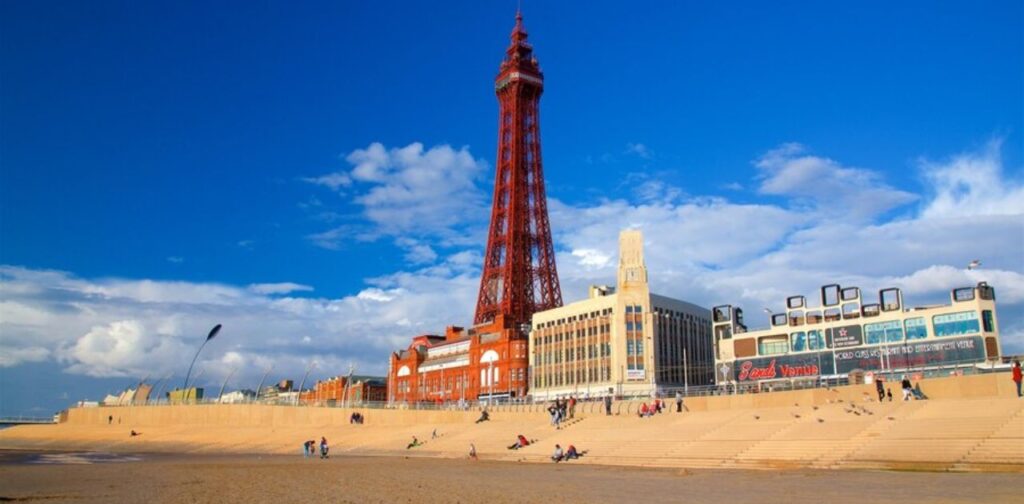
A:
(213, 333)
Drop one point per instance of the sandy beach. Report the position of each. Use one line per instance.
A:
(29, 477)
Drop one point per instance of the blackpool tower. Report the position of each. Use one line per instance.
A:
(519, 276)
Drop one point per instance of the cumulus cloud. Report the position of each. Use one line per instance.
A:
(972, 184)
(827, 185)
(103, 327)
(412, 192)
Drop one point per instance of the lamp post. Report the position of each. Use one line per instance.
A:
(260, 387)
(490, 381)
(225, 384)
(309, 368)
(210, 336)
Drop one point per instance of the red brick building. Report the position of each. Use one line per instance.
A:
(332, 390)
(485, 361)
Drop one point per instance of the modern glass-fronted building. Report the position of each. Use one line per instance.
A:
(843, 335)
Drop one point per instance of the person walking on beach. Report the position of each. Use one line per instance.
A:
(472, 451)
(1017, 375)
(880, 388)
(323, 448)
(110, 418)
(908, 389)
(608, 405)
(679, 402)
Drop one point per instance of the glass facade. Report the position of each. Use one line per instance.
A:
(956, 324)
(916, 328)
(883, 332)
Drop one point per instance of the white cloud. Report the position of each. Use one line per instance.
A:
(333, 181)
(972, 184)
(124, 327)
(175, 259)
(11, 356)
(831, 188)
(412, 192)
(279, 288)
(592, 258)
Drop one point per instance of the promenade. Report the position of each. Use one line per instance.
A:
(972, 423)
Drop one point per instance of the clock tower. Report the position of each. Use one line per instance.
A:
(632, 270)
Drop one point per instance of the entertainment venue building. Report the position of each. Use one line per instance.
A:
(624, 341)
(842, 337)
(519, 277)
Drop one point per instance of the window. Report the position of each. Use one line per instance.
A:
(882, 332)
(629, 309)
(799, 341)
(987, 321)
(638, 309)
(629, 347)
(815, 341)
(916, 328)
(629, 326)
(773, 345)
(639, 326)
(955, 323)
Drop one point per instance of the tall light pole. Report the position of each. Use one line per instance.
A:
(260, 387)
(309, 368)
(490, 381)
(225, 384)
(210, 336)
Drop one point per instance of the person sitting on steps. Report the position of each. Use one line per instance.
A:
(521, 442)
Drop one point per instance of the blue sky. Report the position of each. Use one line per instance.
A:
(316, 176)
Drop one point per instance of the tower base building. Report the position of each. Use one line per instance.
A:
(622, 341)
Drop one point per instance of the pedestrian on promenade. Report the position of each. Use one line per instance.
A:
(306, 448)
(908, 389)
(1017, 375)
(572, 407)
(679, 402)
(880, 387)
(608, 405)
(888, 394)
(110, 418)
(323, 447)
(472, 451)
(643, 411)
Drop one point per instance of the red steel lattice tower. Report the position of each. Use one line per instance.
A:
(519, 276)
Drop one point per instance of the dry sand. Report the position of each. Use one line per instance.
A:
(238, 478)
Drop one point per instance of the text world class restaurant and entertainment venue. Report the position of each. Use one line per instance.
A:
(842, 337)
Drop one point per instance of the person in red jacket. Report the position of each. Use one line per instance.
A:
(1017, 375)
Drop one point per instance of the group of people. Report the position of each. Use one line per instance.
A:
(654, 408)
(356, 418)
(309, 448)
(570, 453)
(561, 409)
(909, 390)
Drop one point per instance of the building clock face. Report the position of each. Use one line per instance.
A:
(632, 275)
